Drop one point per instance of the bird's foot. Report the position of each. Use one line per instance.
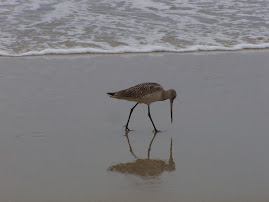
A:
(156, 131)
(126, 128)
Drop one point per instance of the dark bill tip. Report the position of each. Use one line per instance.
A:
(171, 105)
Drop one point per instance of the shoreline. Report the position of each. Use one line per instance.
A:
(138, 53)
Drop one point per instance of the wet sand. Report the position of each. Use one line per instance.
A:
(62, 137)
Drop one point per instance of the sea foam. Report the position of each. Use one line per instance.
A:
(36, 27)
(149, 49)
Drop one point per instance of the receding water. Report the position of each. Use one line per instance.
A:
(108, 26)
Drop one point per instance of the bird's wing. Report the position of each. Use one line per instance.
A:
(140, 90)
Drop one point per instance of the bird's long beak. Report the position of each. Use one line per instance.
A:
(171, 104)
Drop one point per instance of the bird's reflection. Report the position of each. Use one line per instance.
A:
(145, 168)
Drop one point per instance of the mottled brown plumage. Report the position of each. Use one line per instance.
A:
(139, 91)
(145, 93)
(142, 93)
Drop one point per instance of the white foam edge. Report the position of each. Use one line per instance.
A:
(146, 49)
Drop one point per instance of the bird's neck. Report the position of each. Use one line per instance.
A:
(165, 95)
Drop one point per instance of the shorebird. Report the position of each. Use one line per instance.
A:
(145, 93)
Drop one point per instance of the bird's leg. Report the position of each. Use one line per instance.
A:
(126, 127)
(155, 130)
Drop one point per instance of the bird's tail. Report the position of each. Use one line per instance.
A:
(111, 94)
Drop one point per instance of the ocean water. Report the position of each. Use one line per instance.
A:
(36, 27)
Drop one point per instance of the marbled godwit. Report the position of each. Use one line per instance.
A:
(146, 93)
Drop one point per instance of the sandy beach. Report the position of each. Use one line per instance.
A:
(62, 136)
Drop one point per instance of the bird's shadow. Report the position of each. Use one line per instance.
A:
(146, 168)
